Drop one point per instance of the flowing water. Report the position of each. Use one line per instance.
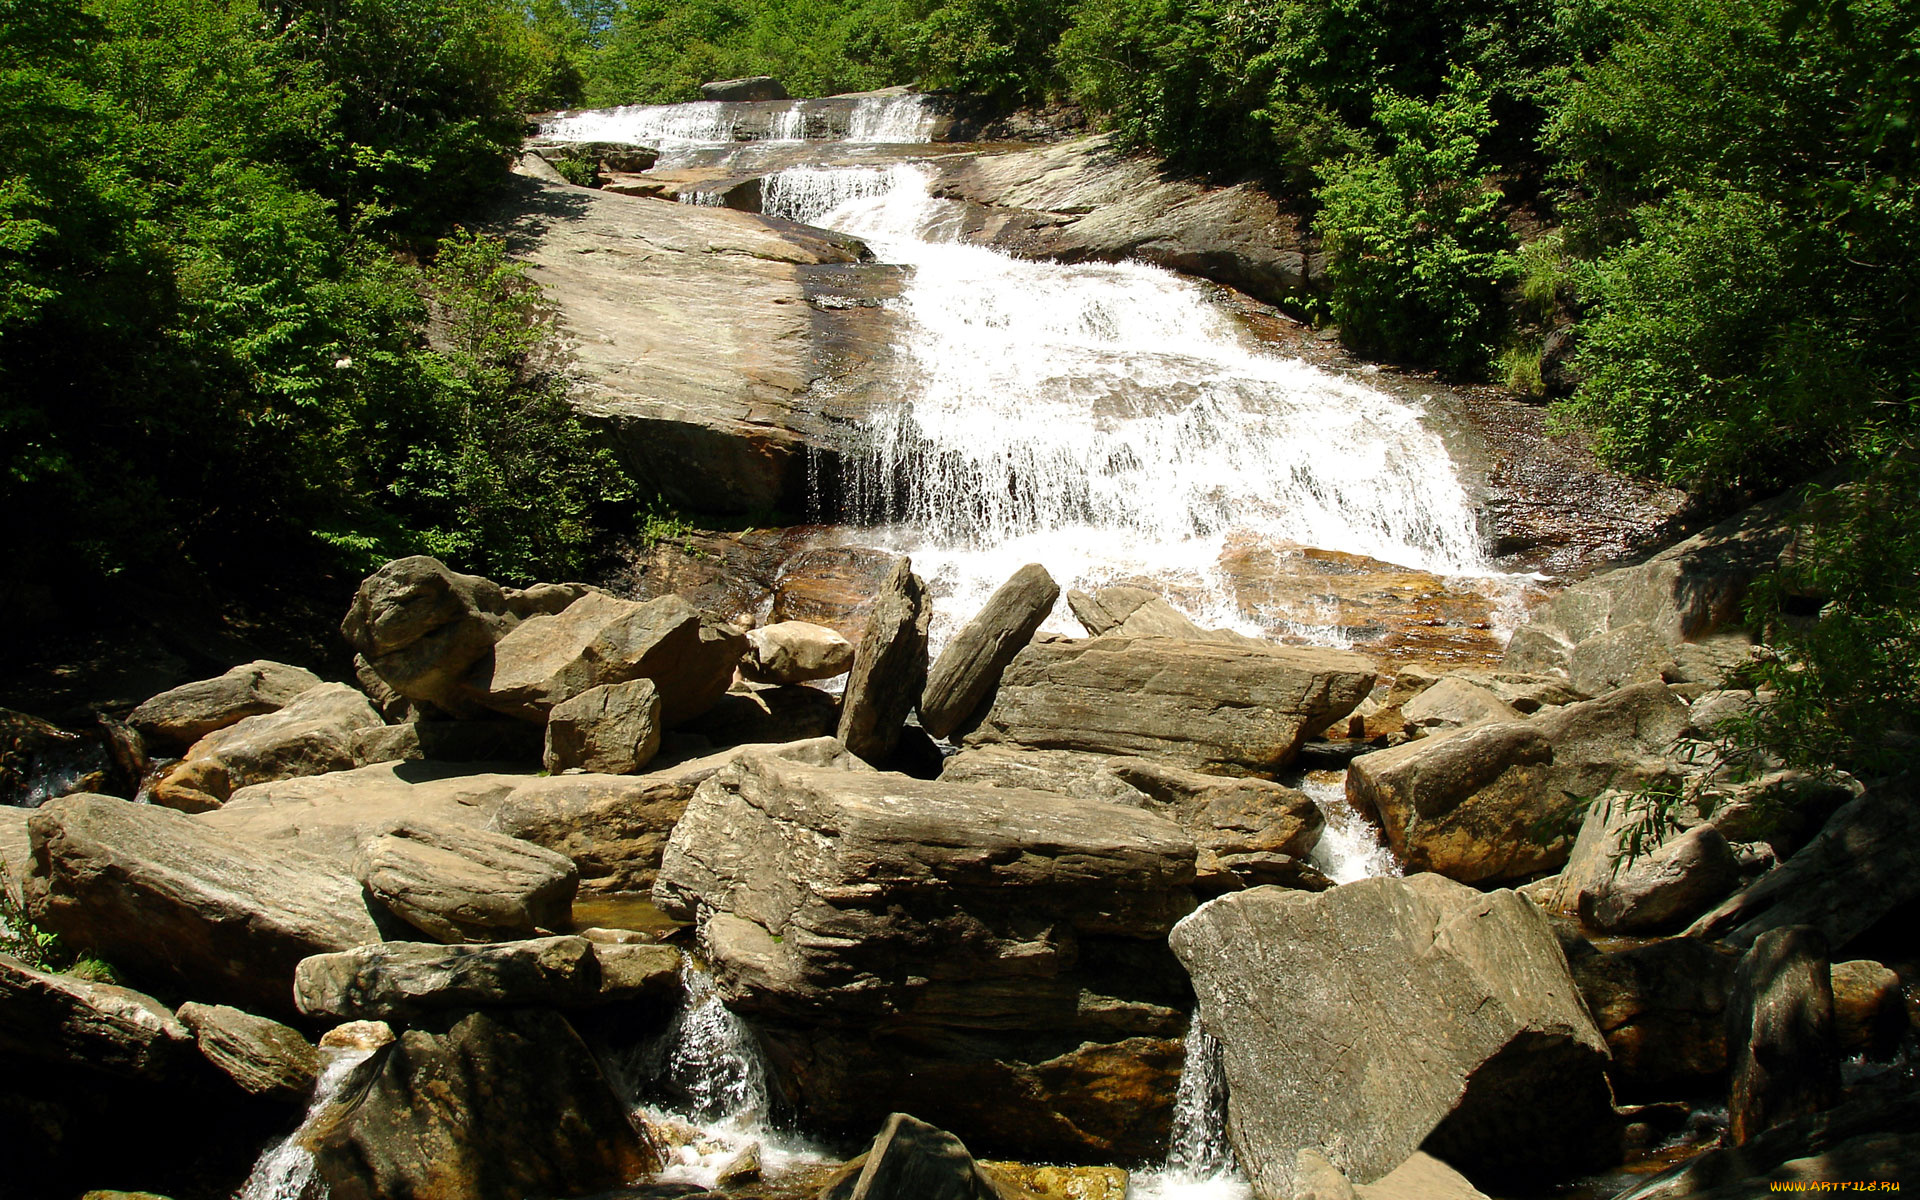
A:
(678, 127)
(285, 1170)
(1200, 1163)
(1349, 847)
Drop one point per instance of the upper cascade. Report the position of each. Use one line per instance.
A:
(871, 119)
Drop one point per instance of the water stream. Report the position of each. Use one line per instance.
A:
(1200, 1163)
(286, 1170)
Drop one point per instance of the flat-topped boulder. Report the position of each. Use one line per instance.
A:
(313, 734)
(400, 980)
(1390, 1015)
(1208, 706)
(225, 915)
(181, 716)
(458, 884)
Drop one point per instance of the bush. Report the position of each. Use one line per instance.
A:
(1418, 252)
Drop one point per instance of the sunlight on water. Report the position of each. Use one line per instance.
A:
(872, 119)
(1349, 848)
(1200, 1163)
(286, 1170)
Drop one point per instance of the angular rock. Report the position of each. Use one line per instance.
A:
(1207, 706)
(1668, 885)
(263, 1058)
(1454, 703)
(1137, 612)
(613, 729)
(547, 660)
(1421, 1177)
(1662, 1008)
(971, 665)
(912, 1160)
(890, 666)
(226, 915)
(544, 599)
(491, 1105)
(422, 627)
(1869, 1013)
(755, 712)
(795, 652)
(1317, 1000)
(62, 1020)
(615, 827)
(402, 980)
(182, 716)
(1862, 865)
(1498, 803)
(496, 741)
(1781, 1052)
(1102, 611)
(637, 972)
(313, 734)
(460, 884)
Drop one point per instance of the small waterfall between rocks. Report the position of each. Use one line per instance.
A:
(874, 119)
(285, 1170)
(1349, 847)
(1200, 1163)
(1110, 422)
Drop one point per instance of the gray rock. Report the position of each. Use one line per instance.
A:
(313, 734)
(422, 627)
(491, 1105)
(971, 665)
(615, 827)
(225, 915)
(1137, 612)
(402, 980)
(263, 1058)
(1102, 611)
(1318, 1000)
(1207, 706)
(1499, 803)
(1631, 653)
(459, 884)
(613, 729)
(749, 89)
(1862, 865)
(1670, 884)
(890, 666)
(1454, 703)
(598, 640)
(74, 1024)
(1421, 1177)
(795, 652)
(632, 972)
(1067, 772)
(912, 1160)
(182, 716)
(1781, 1053)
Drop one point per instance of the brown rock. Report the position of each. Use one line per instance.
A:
(312, 735)
(832, 586)
(422, 628)
(402, 980)
(458, 884)
(1662, 1008)
(1869, 1013)
(263, 1058)
(795, 652)
(971, 665)
(182, 716)
(890, 666)
(613, 729)
(1780, 1038)
(97, 1026)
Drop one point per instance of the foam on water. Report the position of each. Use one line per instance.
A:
(1200, 1163)
(867, 119)
(1111, 423)
(1349, 847)
(286, 1170)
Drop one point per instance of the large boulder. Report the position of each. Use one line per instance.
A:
(422, 627)
(1454, 703)
(458, 884)
(1662, 1008)
(1869, 1012)
(992, 956)
(971, 665)
(1501, 803)
(912, 1160)
(1388, 1015)
(1782, 1056)
(889, 667)
(615, 827)
(226, 916)
(181, 716)
(402, 980)
(263, 1058)
(73, 1023)
(313, 734)
(1863, 864)
(490, 1105)
(547, 660)
(500, 740)
(752, 88)
(795, 652)
(1208, 706)
(613, 729)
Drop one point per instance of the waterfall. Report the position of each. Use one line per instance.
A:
(1200, 1163)
(1110, 422)
(286, 1170)
(866, 119)
(708, 1069)
(1349, 847)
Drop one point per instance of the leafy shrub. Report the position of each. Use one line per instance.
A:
(1418, 251)
(578, 170)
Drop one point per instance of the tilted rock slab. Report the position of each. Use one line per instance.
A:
(1389, 1015)
(889, 667)
(182, 716)
(971, 665)
(1502, 802)
(613, 728)
(459, 884)
(227, 916)
(992, 956)
(422, 627)
(398, 980)
(314, 734)
(73, 1023)
(1209, 706)
(488, 1105)
(263, 1058)
(547, 660)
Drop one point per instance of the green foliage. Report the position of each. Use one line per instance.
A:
(1001, 49)
(1419, 253)
(44, 951)
(578, 170)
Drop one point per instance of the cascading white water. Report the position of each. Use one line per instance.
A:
(1200, 1163)
(869, 119)
(286, 1170)
(1109, 422)
(1349, 847)
(709, 1060)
